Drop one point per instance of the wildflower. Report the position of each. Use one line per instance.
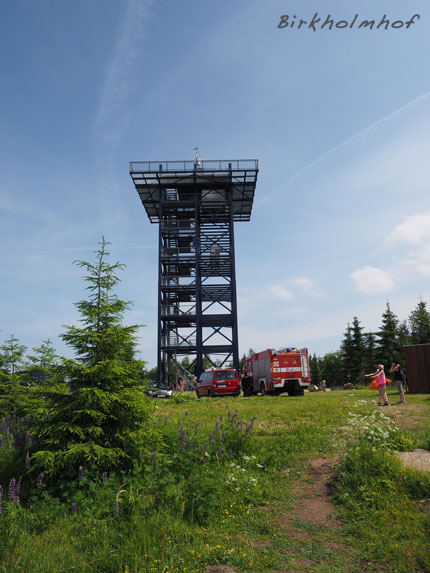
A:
(40, 478)
(74, 507)
(11, 488)
(191, 444)
(186, 412)
(27, 461)
(152, 459)
(196, 427)
(166, 417)
(104, 477)
(117, 509)
(220, 451)
(1, 440)
(80, 473)
(230, 454)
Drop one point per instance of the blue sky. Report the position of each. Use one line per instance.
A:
(339, 120)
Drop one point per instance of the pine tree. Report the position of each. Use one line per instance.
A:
(100, 423)
(42, 366)
(369, 352)
(357, 351)
(347, 353)
(12, 355)
(419, 320)
(388, 345)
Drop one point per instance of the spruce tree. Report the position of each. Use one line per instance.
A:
(388, 345)
(347, 353)
(42, 366)
(12, 355)
(369, 352)
(419, 321)
(100, 422)
(357, 351)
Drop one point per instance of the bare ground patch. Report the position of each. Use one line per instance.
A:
(314, 505)
(418, 459)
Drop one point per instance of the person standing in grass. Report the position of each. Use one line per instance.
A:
(399, 378)
(382, 385)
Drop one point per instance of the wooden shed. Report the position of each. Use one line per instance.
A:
(417, 358)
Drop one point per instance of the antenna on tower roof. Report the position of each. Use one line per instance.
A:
(196, 157)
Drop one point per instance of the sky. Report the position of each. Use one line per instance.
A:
(339, 119)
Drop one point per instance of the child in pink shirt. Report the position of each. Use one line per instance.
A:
(382, 385)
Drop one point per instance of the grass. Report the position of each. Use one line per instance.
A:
(202, 501)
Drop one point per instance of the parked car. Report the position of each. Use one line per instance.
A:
(218, 382)
(158, 390)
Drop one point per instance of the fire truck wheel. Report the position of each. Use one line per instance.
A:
(263, 389)
(300, 392)
(210, 395)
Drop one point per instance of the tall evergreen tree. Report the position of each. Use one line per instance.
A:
(42, 366)
(12, 355)
(419, 321)
(100, 422)
(369, 352)
(388, 345)
(347, 353)
(357, 351)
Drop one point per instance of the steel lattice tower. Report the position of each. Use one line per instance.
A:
(196, 205)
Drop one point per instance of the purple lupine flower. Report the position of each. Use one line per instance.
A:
(230, 454)
(213, 444)
(152, 459)
(104, 477)
(27, 461)
(11, 488)
(220, 418)
(196, 427)
(219, 451)
(216, 426)
(1, 440)
(186, 412)
(117, 509)
(191, 444)
(74, 507)
(40, 478)
(80, 473)
(166, 417)
(1, 494)
(229, 414)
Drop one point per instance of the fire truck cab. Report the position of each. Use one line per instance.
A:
(276, 371)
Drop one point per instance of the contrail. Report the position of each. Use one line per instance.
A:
(359, 136)
(111, 116)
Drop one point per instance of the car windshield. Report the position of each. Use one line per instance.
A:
(225, 374)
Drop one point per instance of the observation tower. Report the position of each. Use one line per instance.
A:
(196, 204)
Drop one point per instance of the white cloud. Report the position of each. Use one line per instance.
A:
(420, 260)
(414, 230)
(307, 286)
(281, 292)
(370, 280)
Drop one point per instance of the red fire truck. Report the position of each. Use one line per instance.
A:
(276, 371)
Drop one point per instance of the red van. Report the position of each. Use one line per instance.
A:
(218, 382)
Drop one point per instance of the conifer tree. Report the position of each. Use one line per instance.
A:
(419, 320)
(369, 352)
(12, 354)
(42, 366)
(388, 346)
(100, 422)
(347, 352)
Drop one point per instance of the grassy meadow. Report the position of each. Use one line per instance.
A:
(232, 486)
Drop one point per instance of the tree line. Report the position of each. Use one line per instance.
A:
(360, 352)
